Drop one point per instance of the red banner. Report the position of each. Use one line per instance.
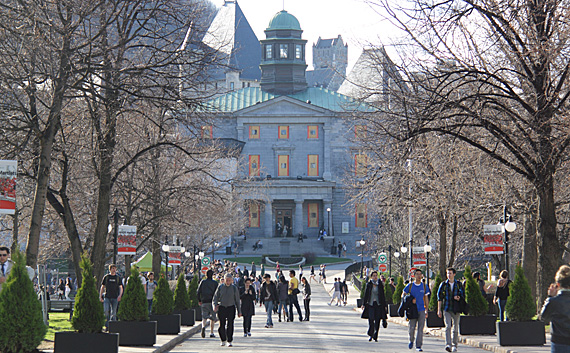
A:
(8, 174)
(493, 239)
(127, 240)
(175, 258)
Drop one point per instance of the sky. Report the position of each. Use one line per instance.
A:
(357, 22)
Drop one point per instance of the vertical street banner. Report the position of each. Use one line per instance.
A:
(8, 175)
(419, 256)
(493, 239)
(127, 240)
(175, 255)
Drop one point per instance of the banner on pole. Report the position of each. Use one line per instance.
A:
(127, 240)
(419, 256)
(493, 239)
(8, 175)
(175, 258)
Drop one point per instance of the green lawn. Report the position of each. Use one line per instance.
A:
(57, 322)
(257, 260)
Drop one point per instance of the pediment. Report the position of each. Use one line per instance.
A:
(283, 105)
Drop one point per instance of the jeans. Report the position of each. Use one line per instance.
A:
(227, 315)
(269, 309)
(246, 323)
(420, 321)
(559, 348)
(502, 306)
(294, 301)
(307, 310)
(451, 319)
(149, 305)
(283, 305)
(110, 307)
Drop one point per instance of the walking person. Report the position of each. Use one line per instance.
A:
(268, 296)
(205, 293)
(323, 271)
(68, 287)
(344, 249)
(253, 269)
(283, 296)
(226, 302)
(293, 292)
(419, 291)
(336, 293)
(449, 292)
(60, 289)
(5, 264)
(556, 310)
(344, 291)
(306, 297)
(110, 294)
(257, 286)
(339, 246)
(312, 277)
(247, 306)
(262, 271)
(374, 305)
(502, 293)
(150, 288)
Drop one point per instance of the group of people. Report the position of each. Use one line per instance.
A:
(340, 292)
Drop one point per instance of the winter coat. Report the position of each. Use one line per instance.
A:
(282, 290)
(408, 308)
(381, 299)
(272, 291)
(247, 301)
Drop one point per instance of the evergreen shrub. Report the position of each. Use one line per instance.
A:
(134, 306)
(478, 305)
(433, 297)
(397, 297)
(362, 288)
(22, 327)
(162, 300)
(181, 297)
(388, 293)
(520, 305)
(88, 313)
(193, 291)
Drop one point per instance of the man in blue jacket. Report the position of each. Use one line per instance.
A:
(419, 292)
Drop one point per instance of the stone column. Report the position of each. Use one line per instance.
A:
(239, 129)
(327, 204)
(298, 228)
(327, 152)
(268, 226)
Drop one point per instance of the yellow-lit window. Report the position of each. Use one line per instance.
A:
(313, 215)
(360, 164)
(312, 132)
(254, 132)
(283, 132)
(361, 216)
(254, 165)
(283, 161)
(359, 131)
(313, 165)
(207, 132)
(254, 215)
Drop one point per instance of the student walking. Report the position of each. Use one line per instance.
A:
(336, 294)
(312, 278)
(283, 296)
(449, 292)
(556, 310)
(226, 302)
(68, 287)
(247, 306)
(150, 287)
(253, 270)
(293, 292)
(110, 293)
(502, 293)
(419, 291)
(306, 297)
(374, 305)
(268, 296)
(344, 292)
(205, 293)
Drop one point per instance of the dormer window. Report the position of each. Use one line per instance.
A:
(298, 51)
(283, 51)
(268, 51)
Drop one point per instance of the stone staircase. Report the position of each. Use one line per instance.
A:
(272, 246)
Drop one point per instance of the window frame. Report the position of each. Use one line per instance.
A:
(356, 224)
(309, 165)
(279, 165)
(258, 135)
(286, 127)
(309, 128)
(258, 209)
(360, 172)
(269, 50)
(258, 159)
(316, 206)
(208, 128)
(281, 47)
(299, 51)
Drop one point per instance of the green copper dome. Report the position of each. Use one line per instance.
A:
(284, 20)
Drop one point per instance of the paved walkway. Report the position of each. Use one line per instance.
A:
(331, 329)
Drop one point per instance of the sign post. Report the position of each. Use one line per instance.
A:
(382, 268)
(382, 258)
(127, 240)
(493, 239)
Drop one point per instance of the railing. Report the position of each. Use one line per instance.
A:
(355, 268)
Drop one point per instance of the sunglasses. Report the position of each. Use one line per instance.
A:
(4, 255)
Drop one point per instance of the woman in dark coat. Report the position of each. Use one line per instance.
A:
(374, 305)
(247, 306)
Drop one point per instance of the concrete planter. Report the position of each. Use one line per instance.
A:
(72, 342)
(521, 333)
(197, 314)
(433, 320)
(477, 325)
(187, 317)
(134, 333)
(167, 324)
(393, 310)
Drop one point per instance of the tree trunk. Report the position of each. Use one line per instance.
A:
(442, 225)
(15, 245)
(453, 242)
(530, 255)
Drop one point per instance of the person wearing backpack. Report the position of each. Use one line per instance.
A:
(205, 294)
(419, 292)
(226, 302)
(502, 293)
(449, 292)
(149, 288)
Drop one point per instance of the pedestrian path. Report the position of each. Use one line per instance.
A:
(331, 329)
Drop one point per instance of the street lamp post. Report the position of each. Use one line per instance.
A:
(214, 250)
(403, 249)
(510, 227)
(390, 261)
(362, 242)
(166, 249)
(427, 250)
(397, 255)
(329, 221)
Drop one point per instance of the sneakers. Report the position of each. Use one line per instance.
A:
(249, 334)
(230, 344)
(419, 349)
(266, 326)
(448, 348)
(454, 349)
(410, 345)
(203, 332)
(223, 343)
(329, 304)
(245, 335)
(212, 335)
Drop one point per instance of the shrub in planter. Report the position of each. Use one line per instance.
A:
(476, 323)
(432, 319)
(192, 294)
(162, 306)
(520, 330)
(182, 302)
(88, 319)
(22, 327)
(388, 293)
(397, 296)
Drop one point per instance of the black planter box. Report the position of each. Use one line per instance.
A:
(359, 302)
(521, 333)
(433, 320)
(72, 342)
(393, 310)
(477, 325)
(187, 317)
(134, 333)
(197, 313)
(167, 324)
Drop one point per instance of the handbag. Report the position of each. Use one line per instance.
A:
(365, 312)
(295, 291)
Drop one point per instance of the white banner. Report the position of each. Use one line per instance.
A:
(127, 240)
(8, 176)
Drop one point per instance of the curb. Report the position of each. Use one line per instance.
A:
(178, 339)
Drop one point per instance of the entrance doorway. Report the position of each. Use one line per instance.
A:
(283, 222)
